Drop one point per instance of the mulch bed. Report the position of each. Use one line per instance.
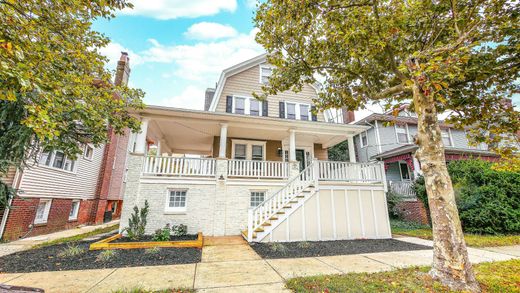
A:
(329, 248)
(47, 259)
(149, 238)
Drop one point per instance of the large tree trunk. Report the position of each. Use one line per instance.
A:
(451, 265)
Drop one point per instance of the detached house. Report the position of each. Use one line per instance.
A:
(58, 193)
(256, 168)
(390, 140)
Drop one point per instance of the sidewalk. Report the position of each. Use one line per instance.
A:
(230, 265)
(26, 243)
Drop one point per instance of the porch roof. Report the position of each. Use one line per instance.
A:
(192, 131)
(411, 148)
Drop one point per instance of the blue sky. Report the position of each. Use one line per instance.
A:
(178, 48)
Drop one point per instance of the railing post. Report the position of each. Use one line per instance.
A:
(250, 225)
(316, 173)
(383, 175)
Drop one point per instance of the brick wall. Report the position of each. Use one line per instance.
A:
(23, 210)
(413, 211)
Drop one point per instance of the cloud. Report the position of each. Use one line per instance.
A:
(113, 51)
(171, 9)
(210, 30)
(191, 97)
(202, 62)
(251, 3)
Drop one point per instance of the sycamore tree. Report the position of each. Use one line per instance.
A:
(54, 89)
(457, 57)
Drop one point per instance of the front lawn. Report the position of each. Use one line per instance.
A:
(75, 238)
(473, 240)
(493, 277)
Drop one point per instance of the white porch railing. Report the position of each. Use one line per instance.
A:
(403, 188)
(179, 166)
(269, 207)
(346, 171)
(258, 169)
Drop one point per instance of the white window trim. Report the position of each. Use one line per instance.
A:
(297, 110)
(260, 72)
(407, 134)
(75, 215)
(257, 190)
(361, 139)
(85, 152)
(247, 105)
(401, 172)
(168, 209)
(53, 154)
(249, 147)
(45, 212)
(449, 136)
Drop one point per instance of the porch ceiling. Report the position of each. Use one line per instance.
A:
(190, 131)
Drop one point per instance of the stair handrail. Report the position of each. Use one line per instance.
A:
(280, 199)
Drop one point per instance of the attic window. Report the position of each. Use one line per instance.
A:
(402, 133)
(265, 73)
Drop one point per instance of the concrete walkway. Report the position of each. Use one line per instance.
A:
(230, 265)
(26, 243)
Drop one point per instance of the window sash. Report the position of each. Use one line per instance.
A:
(265, 73)
(405, 174)
(74, 210)
(57, 160)
(257, 197)
(402, 134)
(257, 152)
(446, 137)
(304, 112)
(42, 211)
(364, 139)
(290, 110)
(177, 199)
(240, 105)
(254, 107)
(240, 151)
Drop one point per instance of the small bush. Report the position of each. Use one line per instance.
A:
(137, 222)
(278, 247)
(162, 234)
(304, 245)
(153, 250)
(180, 230)
(72, 249)
(393, 200)
(106, 255)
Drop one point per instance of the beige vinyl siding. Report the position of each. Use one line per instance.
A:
(8, 178)
(39, 181)
(248, 81)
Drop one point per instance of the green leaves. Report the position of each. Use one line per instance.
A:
(55, 91)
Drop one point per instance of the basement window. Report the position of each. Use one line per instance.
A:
(42, 211)
(176, 201)
(73, 215)
(257, 197)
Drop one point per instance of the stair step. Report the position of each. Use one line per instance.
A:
(266, 224)
(300, 196)
(293, 201)
(259, 230)
(306, 191)
(273, 218)
(280, 212)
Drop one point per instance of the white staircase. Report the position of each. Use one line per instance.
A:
(265, 217)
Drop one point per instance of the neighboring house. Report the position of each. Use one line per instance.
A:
(58, 193)
(390, 140)
(254, 167)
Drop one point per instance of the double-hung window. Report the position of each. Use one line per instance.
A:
(88, 153)
(42, 211)
(248, 150)
(446, 139)
(292, 110)
(247, 105)
(265, 73)
(254, 107)
(304, 112)
(58, 160)
(257, 197)
(402, 133)
(240, 105)
(176, 201)
(364, 139)
(73, 215)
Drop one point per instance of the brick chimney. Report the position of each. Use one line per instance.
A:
(348, 116)
(210, 92)
(122, 70)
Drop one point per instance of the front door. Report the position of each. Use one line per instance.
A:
(300, 157)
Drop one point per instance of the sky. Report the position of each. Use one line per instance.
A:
(178, 48)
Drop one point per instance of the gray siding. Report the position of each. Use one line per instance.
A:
(365, 153)
(459, 139)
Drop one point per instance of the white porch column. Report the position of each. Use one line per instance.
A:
(223, 140)
(351, 150)
(416, 168)
(140, 141)
(292, 145)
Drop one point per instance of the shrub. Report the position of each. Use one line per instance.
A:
(137, 222)
(180, 230)
(278, 247)
(162, 234)
(393, 200)
(72, 249)
(488, 200)
(304, 245)
(106, 255)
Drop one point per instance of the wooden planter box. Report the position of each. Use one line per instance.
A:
(106, 243)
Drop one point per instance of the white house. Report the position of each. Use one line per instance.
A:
(254, 167)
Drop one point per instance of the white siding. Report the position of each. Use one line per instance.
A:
(38, 181)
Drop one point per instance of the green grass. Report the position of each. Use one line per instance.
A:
(493, 277)
(78, 237)
(473, 240)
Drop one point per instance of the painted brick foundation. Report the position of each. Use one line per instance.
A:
(413, 211)
(23, 210)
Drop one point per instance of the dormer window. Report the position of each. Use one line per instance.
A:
(265, 73)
